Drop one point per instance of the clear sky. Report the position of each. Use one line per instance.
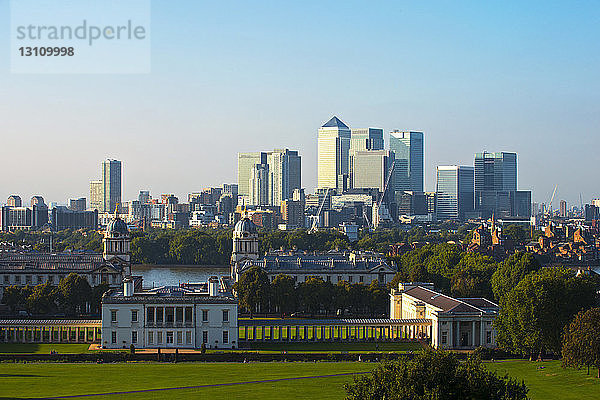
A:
(232, 77)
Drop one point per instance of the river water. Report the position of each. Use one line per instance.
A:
(173, 275)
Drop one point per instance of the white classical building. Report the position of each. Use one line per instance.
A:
(170, 316)
(455, 323)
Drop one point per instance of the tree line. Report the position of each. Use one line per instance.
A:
(72, 297)
(312, 297)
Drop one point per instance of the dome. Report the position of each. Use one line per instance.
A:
(245, 225)
(117, 227)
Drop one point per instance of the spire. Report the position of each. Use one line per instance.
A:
(335, 122)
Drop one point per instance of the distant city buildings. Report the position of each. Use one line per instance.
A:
(333, 155)
(454, 192)
(105, 193)
(409, 152)
(78, 204)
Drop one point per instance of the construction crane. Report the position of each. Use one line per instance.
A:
(549, 208)
(316, 217)
(377, 213)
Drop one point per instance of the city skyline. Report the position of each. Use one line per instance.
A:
(518, 79)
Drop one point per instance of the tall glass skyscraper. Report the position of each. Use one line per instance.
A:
(495, 183)
(363, 139)
(408, 148)
(246, 162)
(333, 155)
(454, 192)
(111, 177)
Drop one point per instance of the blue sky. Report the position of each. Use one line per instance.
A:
(246, 76)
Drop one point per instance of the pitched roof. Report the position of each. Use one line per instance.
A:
(446, 303)
(335, 122)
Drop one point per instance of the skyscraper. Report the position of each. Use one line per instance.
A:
(333, 155)
(111, 177)
(259, 185)
(284, 174)
(366, 139)
(454, 192)
(408, 148)
(495, 183)
(371, 169)
(246, 162)
(97, 195)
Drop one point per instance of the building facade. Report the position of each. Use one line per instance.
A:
(170, 316)
(455, 323)
(408, 149)
(454, 192)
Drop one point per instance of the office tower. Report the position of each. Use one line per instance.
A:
(79, 204)
(563, 208)
(370, 169)
(412, 203)
(246, 163)
(111, 177)
(454, 192)
(14, 201)
(284, 174)
(38, 201)
(333, 155)
(495, 179)
(97, 195)
(408, 148)
(259, 185)
(144, 197)
(520, 202)
(363, 139)
(230, 189)
(67, 218)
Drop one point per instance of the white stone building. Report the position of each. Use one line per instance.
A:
(170, 316)
(455, 323)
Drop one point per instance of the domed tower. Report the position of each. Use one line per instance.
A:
(117, 243)
(245, 243)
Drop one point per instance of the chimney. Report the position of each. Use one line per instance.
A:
(213, 286)
(128, 287)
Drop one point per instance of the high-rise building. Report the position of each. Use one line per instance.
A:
(333, 155)
(14, 201)
(408, 148)
(111, 177)
(246, 163)
(259, 185)
(284, 174)
(79, 204)
(144, 197)
(454, 192)
(563, 208)
(363, 139)
(97, 195)
(371, 169)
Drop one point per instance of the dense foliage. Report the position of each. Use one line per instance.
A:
(533, 315)
(71, 297)
(312, 297)
(434, 374)
(581, 341)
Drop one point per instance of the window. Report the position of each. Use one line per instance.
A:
(169, 315)
(94, 279)
(204, 336)
(225, 336)
(27, 279)
(40, 279)
(179, 314)
(7, 279)
(204, 315)
(350, 278)
(159, 315)
(159, 336)
(113, 315)
(339, 278)
(169, 337)
(488, 337)
(18, 279)
(113, 337)
(188, 314)
(444, 337)
(134, 315)
(133, 336)
(328, 278)
(361, 278)
(179, 337)
(150, 314)
(188, 337)
(150, 337)
(51, 278)
(225, 315)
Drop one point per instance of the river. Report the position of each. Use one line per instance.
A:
(173, 275)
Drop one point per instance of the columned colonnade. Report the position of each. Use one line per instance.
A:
(50, 331)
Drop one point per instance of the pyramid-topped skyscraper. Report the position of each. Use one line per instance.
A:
(333, 155)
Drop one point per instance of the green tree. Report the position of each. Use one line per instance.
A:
(73, 294)
(516, 233)
(434, 374)
(581, 341)
(42, 300)
(96, 297)
(283, 294)
(471, 276)
(533, 315)
(510, 272)
(253, 290)
(14, 298)
(312, 294)
(378, 299)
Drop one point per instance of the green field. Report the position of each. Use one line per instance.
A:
(30, 380)
(43, 348)
(551, 381)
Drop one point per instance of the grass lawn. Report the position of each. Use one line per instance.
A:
(551, 382)
(27, 380)
(333, 347)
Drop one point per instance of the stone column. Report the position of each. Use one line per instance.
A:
(473, 337)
